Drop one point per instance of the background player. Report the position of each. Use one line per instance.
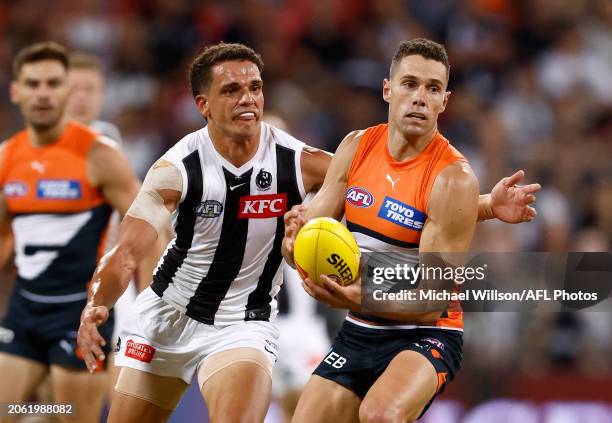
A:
(59, 183)
(86, 80)
(394, 363)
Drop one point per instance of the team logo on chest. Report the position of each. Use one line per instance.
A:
(263, 180)
(209, 209)
(359, 197)
(262, 206)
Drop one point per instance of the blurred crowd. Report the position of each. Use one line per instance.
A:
(531, 84)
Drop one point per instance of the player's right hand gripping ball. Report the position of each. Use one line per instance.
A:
(325, 246)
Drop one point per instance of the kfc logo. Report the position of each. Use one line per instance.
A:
(262, 206)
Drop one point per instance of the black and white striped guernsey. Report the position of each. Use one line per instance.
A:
(224, 264)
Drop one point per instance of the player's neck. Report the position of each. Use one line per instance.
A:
(404, 148)
(38, 138)
(237, 151)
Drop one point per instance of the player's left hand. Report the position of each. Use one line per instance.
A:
(333, 294)
(510, 202)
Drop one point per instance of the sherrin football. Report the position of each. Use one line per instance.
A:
(325, 246)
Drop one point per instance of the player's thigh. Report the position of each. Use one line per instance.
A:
(113, 375)
(246, 374)
(84, 391)
(401, 393)
(326, 401)
(20, 377)
(144, 397)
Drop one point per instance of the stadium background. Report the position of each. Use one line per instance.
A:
(532, 89)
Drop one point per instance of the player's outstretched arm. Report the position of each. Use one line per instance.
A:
(112, 172)
(147, 218)
(508, 201)
(329, 200)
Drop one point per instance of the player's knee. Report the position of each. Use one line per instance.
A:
(385, 413)
(376, 413)
(235, 415)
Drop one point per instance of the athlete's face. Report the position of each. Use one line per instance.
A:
(41, 91)
(234, 101)
(86, 95)
(416, 93)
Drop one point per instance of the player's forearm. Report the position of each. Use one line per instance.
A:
(329, 201)
(485, 211)
(118, 266)
(111, 277)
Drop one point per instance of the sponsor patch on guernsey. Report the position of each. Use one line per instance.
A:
(402, 214)
(359, 197)
(58, 189)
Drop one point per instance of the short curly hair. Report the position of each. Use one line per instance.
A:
(200, 70)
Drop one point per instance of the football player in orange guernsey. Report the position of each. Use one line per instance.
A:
(402, 187)
(59, 182)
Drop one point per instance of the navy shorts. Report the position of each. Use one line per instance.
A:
(46, 332)
(360, 355)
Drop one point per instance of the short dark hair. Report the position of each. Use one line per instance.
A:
(79, 60)
(422, 47)
(200, 70)
(37, 53)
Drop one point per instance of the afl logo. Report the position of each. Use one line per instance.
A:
(263, 180)
(15, 189)
(209, 209)
(359, 197)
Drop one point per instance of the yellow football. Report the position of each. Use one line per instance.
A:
(325, 246)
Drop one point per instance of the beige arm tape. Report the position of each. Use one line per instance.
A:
(148, 204)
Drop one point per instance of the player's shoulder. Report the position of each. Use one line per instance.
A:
(184, 148)
(456, 177)
(278, 136)
(107, 129)
(349, 144)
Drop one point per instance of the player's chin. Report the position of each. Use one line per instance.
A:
(246, 127)
(411, 130)
(43, 124)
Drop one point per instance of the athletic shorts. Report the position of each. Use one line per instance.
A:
(47, 331)
(360, 355)
(159, 339)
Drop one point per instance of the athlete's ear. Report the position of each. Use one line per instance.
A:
(445, 101)
(386, 90)
(13, 92)
(202, 103)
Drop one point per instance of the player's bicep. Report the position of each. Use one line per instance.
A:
(159, 196)
(452, 211)
(314, 164)
(329, 201)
